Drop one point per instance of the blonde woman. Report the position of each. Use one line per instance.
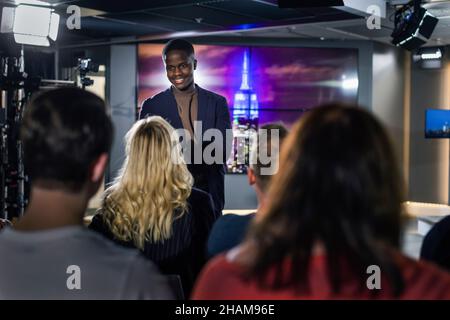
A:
(152, 205)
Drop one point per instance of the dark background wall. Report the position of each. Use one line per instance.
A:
(429, 158)
(121, 80)
(388, 85)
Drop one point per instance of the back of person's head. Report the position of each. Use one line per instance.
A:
(339, 186)
(64, 131)
(265, 153)
(178, 44)
(152, 187)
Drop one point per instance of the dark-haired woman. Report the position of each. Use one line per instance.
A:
(332, 224)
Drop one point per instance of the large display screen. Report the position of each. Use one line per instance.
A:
(266, 83)
(261, 84)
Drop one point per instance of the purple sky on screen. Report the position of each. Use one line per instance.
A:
(286, 80)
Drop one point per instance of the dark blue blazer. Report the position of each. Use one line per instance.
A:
(227, 232)
(213, 112)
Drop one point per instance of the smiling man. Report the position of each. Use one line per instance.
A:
(184, 104)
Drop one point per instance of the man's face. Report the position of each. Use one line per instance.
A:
(180, 68)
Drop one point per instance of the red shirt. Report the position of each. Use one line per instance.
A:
(223, 280)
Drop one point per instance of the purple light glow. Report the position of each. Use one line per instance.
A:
(287, 81)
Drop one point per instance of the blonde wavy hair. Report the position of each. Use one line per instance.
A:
(152, 187)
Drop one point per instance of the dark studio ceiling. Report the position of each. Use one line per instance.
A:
(103, 20)
(106, 21)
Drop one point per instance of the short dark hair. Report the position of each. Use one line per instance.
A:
(63, 132)
(340, 185)
(264, 145)
(178, 44)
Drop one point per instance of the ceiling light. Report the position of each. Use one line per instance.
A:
(429, 57)
(434, 55)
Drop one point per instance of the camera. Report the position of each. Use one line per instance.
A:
(85, 66)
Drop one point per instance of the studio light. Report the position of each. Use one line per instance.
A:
(32, 24)
(413, 26)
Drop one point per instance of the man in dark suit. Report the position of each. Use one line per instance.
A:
(185, 105)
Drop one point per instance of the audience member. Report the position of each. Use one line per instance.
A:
(152, 205)
(436, 244)
(332, 223)
(48, 254)
(229, 230)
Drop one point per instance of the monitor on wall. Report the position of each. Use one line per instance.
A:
(437, 123)
(263, 84)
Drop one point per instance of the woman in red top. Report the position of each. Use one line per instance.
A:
(331, 228)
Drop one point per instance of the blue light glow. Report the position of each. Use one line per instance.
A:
(245, 99)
